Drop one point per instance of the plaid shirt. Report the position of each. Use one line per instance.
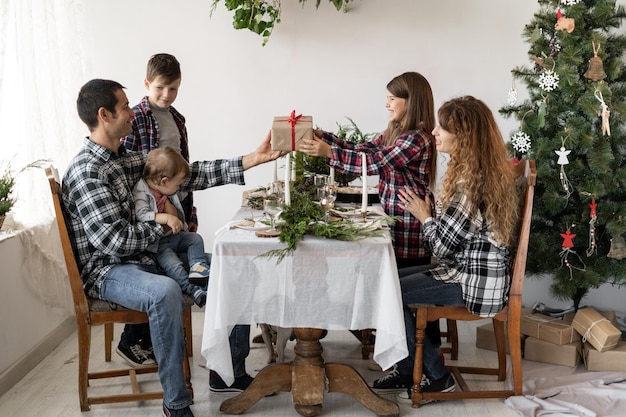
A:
(469, 255)
(100, 212)
(146, 135)
(404, 163)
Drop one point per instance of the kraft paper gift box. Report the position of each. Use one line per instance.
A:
(609, 314)
(611, 360)
(596, 329)
(543, 351)
(486, 336)
(548, 328)
(289, 131)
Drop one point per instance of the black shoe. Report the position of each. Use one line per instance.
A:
(200, 282)
(135, 355)
(445, 384)
(258, 339)
(218, 386)
(199, 297)
(183, 412)
(393, 382)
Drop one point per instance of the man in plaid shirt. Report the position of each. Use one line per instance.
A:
(110, 245)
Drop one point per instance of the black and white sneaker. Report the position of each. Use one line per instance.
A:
(218, 386)
(445, 384)
(393, 382)
(183, 412)
(135, 355)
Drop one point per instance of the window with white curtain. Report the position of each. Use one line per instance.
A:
(41, 70)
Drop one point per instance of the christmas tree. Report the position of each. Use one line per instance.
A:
(572, 125)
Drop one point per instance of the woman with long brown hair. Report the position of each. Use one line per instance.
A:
(470, 234)
(402, 156)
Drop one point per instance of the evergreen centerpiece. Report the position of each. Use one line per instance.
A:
(304, 217)
(572, 125)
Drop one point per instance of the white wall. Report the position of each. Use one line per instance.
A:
(319, 62)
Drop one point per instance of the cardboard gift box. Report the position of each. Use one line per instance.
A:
(486, 338)
(543, 351)
(609, 314)
(289, 131)
(548, 328)
(596, 329)
(612, 360)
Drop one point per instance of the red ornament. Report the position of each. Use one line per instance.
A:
(592, 207)
(567, 239)
(559, 14)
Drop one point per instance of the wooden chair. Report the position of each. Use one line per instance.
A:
(511, 315)
(91, 312)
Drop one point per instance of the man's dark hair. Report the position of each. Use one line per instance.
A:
(93, 95)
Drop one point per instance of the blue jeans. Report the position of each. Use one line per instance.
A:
(420, 288)
(143, 288)
(239, 337)
(168, 257)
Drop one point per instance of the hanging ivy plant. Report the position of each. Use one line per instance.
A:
(260, 16)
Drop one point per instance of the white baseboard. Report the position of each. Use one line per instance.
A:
(24, 365)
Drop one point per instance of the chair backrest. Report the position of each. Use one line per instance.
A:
(526, 168)
(76, 283)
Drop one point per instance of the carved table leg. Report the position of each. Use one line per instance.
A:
(272, 378)
(344, 378)
(307, 385)
(305, 378)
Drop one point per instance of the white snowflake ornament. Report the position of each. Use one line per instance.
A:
(570, 2)
(521, 142)
(548, 80)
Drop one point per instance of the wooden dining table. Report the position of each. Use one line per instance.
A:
(324, 284)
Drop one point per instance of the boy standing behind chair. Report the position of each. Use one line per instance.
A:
(157, 124)
(156, 199)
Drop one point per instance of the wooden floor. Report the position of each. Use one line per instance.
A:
(50, 389)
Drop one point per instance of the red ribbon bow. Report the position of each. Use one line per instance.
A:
(293, 119)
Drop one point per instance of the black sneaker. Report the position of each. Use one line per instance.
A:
(199, 297)
(393, 382)
(218, 386)
(183, 412)
(445, 384)
(200, 282)
(134, 355)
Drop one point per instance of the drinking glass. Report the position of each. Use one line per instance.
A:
(273, 207)
(320, 180)
(276, 189)
(327, 195)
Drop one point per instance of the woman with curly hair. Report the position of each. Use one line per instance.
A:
(471, 234)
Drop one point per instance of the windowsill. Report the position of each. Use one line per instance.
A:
(6, 235)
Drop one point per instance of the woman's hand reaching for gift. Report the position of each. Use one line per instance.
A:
(315, 146)
(415, 205)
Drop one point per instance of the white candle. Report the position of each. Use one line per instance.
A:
(275, 171)
(364, 180)
(332, 176)
(288, 180)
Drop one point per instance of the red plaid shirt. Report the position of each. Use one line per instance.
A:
(404, 163)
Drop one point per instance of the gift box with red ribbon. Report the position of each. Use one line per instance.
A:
(289, 131)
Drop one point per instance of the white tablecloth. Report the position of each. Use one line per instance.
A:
(326, 284)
